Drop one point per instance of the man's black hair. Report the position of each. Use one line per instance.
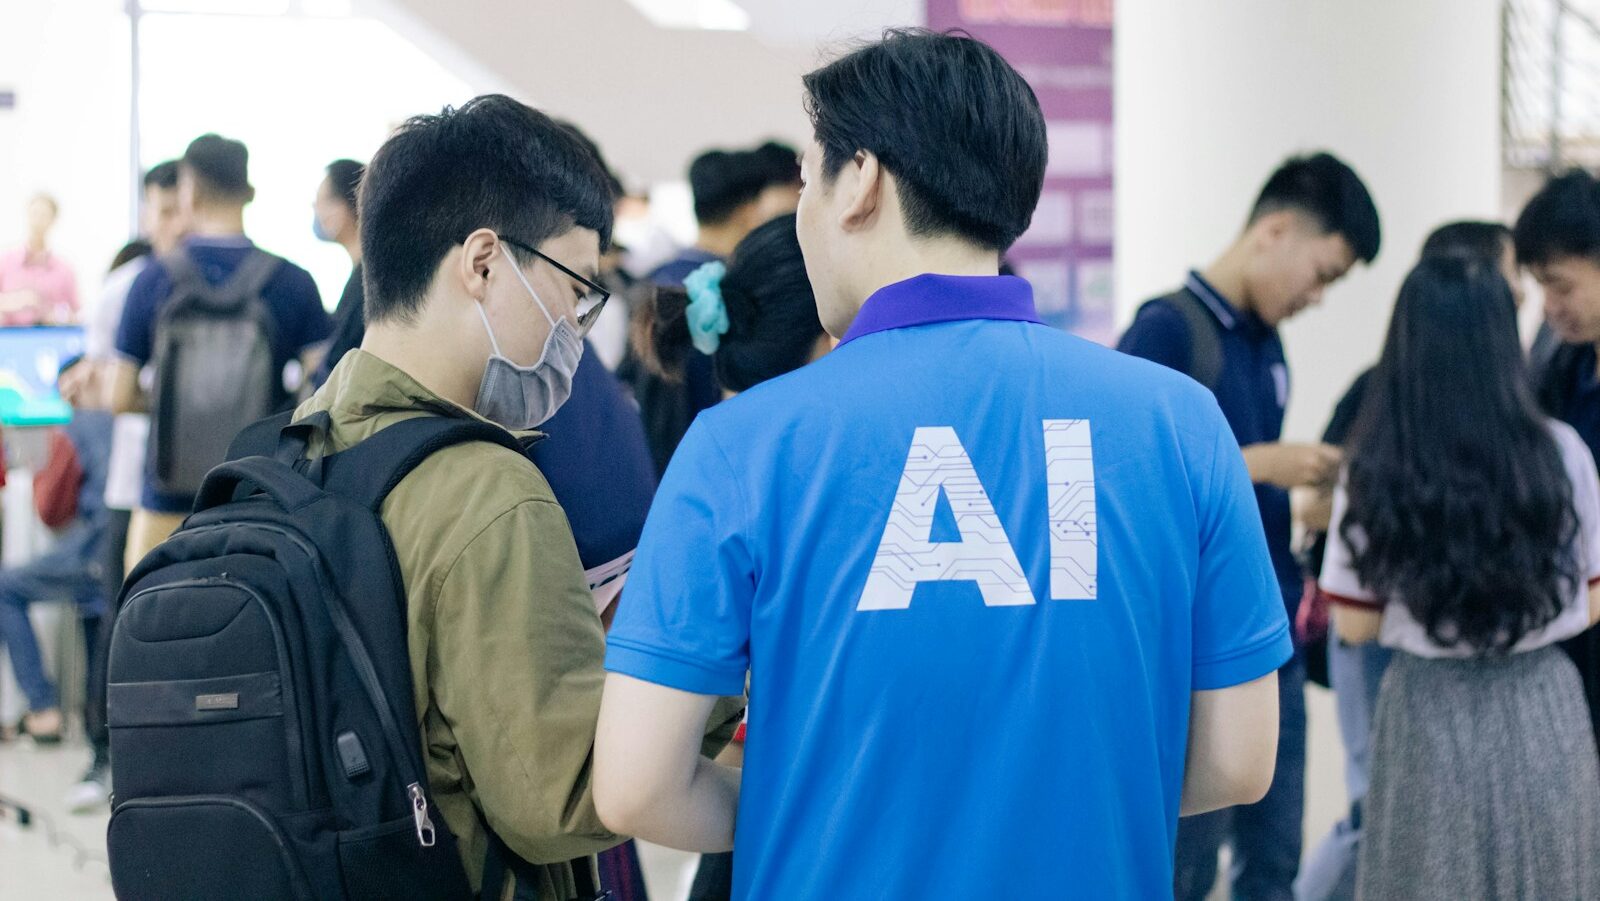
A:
(1483, 242)
(494, 163)
(1562, 220)
(162, 175)
(722, 181)
(612, 180)
(344, 176)
(1327, 190)
(221, 164)
(952, 121)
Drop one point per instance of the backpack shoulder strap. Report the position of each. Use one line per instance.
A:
(251, 277)
(1205, 344)
(367, 472)
(185, 276)
(260, 438)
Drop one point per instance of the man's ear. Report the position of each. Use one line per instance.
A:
(1269, 228)
(477, 252)
(863, 181)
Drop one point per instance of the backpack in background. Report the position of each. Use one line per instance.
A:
(214, 371)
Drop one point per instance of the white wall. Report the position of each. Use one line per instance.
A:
(1211, 96)
(68, 135)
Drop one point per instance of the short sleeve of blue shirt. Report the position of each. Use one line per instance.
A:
(1241, 632)
(1159, 334)
(694, 578)
(307, 320)
(135, 333)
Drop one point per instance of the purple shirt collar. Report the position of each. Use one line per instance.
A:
(926, 299)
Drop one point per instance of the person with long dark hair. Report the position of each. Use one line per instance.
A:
(1466, 537)
(1354, 671)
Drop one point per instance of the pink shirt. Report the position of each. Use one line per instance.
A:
(49, 277)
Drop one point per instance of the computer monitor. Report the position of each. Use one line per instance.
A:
(30, 360)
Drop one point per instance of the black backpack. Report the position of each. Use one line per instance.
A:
(214, 369)
(263, 728)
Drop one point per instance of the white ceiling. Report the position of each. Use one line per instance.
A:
(813, 22)
(651, 97)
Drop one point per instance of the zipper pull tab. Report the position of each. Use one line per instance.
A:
(419, 814)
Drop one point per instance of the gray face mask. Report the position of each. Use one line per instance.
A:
(524, 397)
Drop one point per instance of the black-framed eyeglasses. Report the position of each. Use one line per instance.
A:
(594, 298)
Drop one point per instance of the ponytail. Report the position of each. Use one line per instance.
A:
(660, 332)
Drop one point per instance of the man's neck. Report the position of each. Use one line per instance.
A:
(409, 349)
(908, 258)
(37, 246)
(719, 240)
(1226, 275)
(915, 258)
(217, 223)
(352, 246)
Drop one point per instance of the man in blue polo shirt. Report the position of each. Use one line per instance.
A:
(1312, 221)
(1001, 594)
(213, 190)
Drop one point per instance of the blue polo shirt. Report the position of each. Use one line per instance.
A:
(1252, 389)
(1582, 407)
(974, 567)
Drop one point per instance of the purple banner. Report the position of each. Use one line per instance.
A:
(1063, 49)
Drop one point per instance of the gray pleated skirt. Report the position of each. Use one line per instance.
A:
(1485, 782)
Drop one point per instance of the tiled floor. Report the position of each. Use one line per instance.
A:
(62, 856)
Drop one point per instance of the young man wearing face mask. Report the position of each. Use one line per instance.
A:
(988, 657)
(1311, 223)
(482, 228)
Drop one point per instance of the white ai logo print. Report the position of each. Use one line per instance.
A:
(907, 555)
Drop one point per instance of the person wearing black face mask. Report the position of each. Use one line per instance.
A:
(334, 219)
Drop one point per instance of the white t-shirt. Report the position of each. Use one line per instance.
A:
(125, 469)
(1402, 631)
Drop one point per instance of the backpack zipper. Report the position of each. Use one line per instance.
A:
(419, 815)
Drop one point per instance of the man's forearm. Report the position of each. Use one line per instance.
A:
(650, 779)
(699, 816)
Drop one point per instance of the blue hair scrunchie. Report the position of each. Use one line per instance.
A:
(707, 314)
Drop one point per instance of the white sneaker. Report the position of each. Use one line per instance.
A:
(91, 794)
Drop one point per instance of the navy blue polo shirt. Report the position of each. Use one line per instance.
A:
(974, 567)
(1252, 389)
(1582, 409)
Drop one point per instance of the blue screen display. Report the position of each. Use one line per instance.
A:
(30, 360)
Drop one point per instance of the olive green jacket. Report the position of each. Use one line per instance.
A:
(506, 646)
